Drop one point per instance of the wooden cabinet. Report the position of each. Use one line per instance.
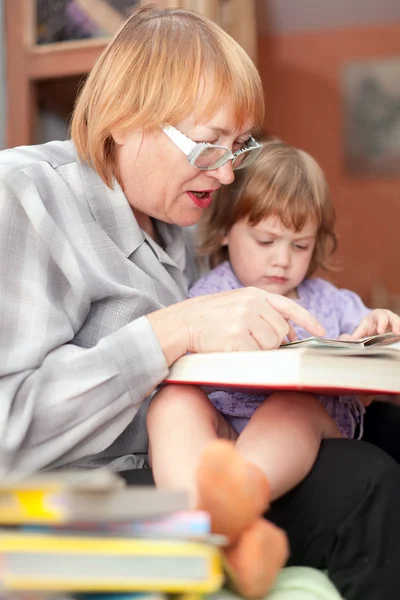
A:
(28, 63)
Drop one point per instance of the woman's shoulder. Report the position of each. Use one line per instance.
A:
(220, 279)
(59, 190)
(54, 176)
(43, 168)
(52, 154)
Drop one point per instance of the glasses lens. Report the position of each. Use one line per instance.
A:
(211, 158)
(245, 158)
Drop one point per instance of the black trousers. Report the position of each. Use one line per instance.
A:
(382, 427)
(345, 516)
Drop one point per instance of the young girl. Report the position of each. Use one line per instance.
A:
(271, 229)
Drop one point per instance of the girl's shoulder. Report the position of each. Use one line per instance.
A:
(320, 290)
(220, 279)
(318, 287)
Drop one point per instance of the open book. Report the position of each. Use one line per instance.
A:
(383, 339)
(315, 364)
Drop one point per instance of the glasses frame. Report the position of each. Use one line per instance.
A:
(193, 149)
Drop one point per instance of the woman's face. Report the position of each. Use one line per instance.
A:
(158, 179)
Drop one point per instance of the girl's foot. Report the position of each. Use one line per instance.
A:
(255, 560)
(234, 491)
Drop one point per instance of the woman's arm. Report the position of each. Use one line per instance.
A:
(60, 401)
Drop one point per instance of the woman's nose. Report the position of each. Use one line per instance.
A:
(224, 174)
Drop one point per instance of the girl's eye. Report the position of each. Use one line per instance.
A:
(300, 247)
(264, 242)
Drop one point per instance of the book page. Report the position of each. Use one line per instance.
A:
(383, 339)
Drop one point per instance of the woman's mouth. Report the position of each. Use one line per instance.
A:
(201, 199)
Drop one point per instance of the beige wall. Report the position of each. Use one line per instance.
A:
(288, 16)
(301, 74)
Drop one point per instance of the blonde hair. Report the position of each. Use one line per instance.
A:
(153, 72)
(284, 182)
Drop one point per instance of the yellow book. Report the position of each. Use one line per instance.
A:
(65, 498)
(49, 562)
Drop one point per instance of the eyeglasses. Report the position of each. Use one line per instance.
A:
(208, 157)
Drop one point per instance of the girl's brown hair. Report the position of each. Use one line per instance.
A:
(153, 72)
(284, 182)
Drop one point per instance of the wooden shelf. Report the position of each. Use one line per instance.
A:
(63, 59)
(28, 63)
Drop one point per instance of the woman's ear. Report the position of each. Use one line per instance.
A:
(123, 136)
(119, 136)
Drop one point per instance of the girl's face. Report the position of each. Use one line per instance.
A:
(270, 256)
(159, 181)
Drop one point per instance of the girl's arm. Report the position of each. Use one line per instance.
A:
(350, 310)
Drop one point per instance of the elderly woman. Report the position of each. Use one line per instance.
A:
(95, 265)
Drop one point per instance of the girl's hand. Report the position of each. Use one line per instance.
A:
(377, 321)
(238, 320)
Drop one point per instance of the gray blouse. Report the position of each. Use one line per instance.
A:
(78, 358)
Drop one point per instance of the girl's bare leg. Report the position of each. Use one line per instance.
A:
(182, 422)
(283, 438)
(182, 425)
(185, 453)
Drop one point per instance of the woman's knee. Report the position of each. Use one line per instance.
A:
(353, 471)
(367, 460)
(352, 485)
(378, 468)
(344, 474)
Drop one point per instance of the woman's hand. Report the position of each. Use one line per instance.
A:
(238, 320)
(377, 321)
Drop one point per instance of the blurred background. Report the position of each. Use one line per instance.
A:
(331, 74)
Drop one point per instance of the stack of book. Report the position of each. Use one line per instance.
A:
(73, 533)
